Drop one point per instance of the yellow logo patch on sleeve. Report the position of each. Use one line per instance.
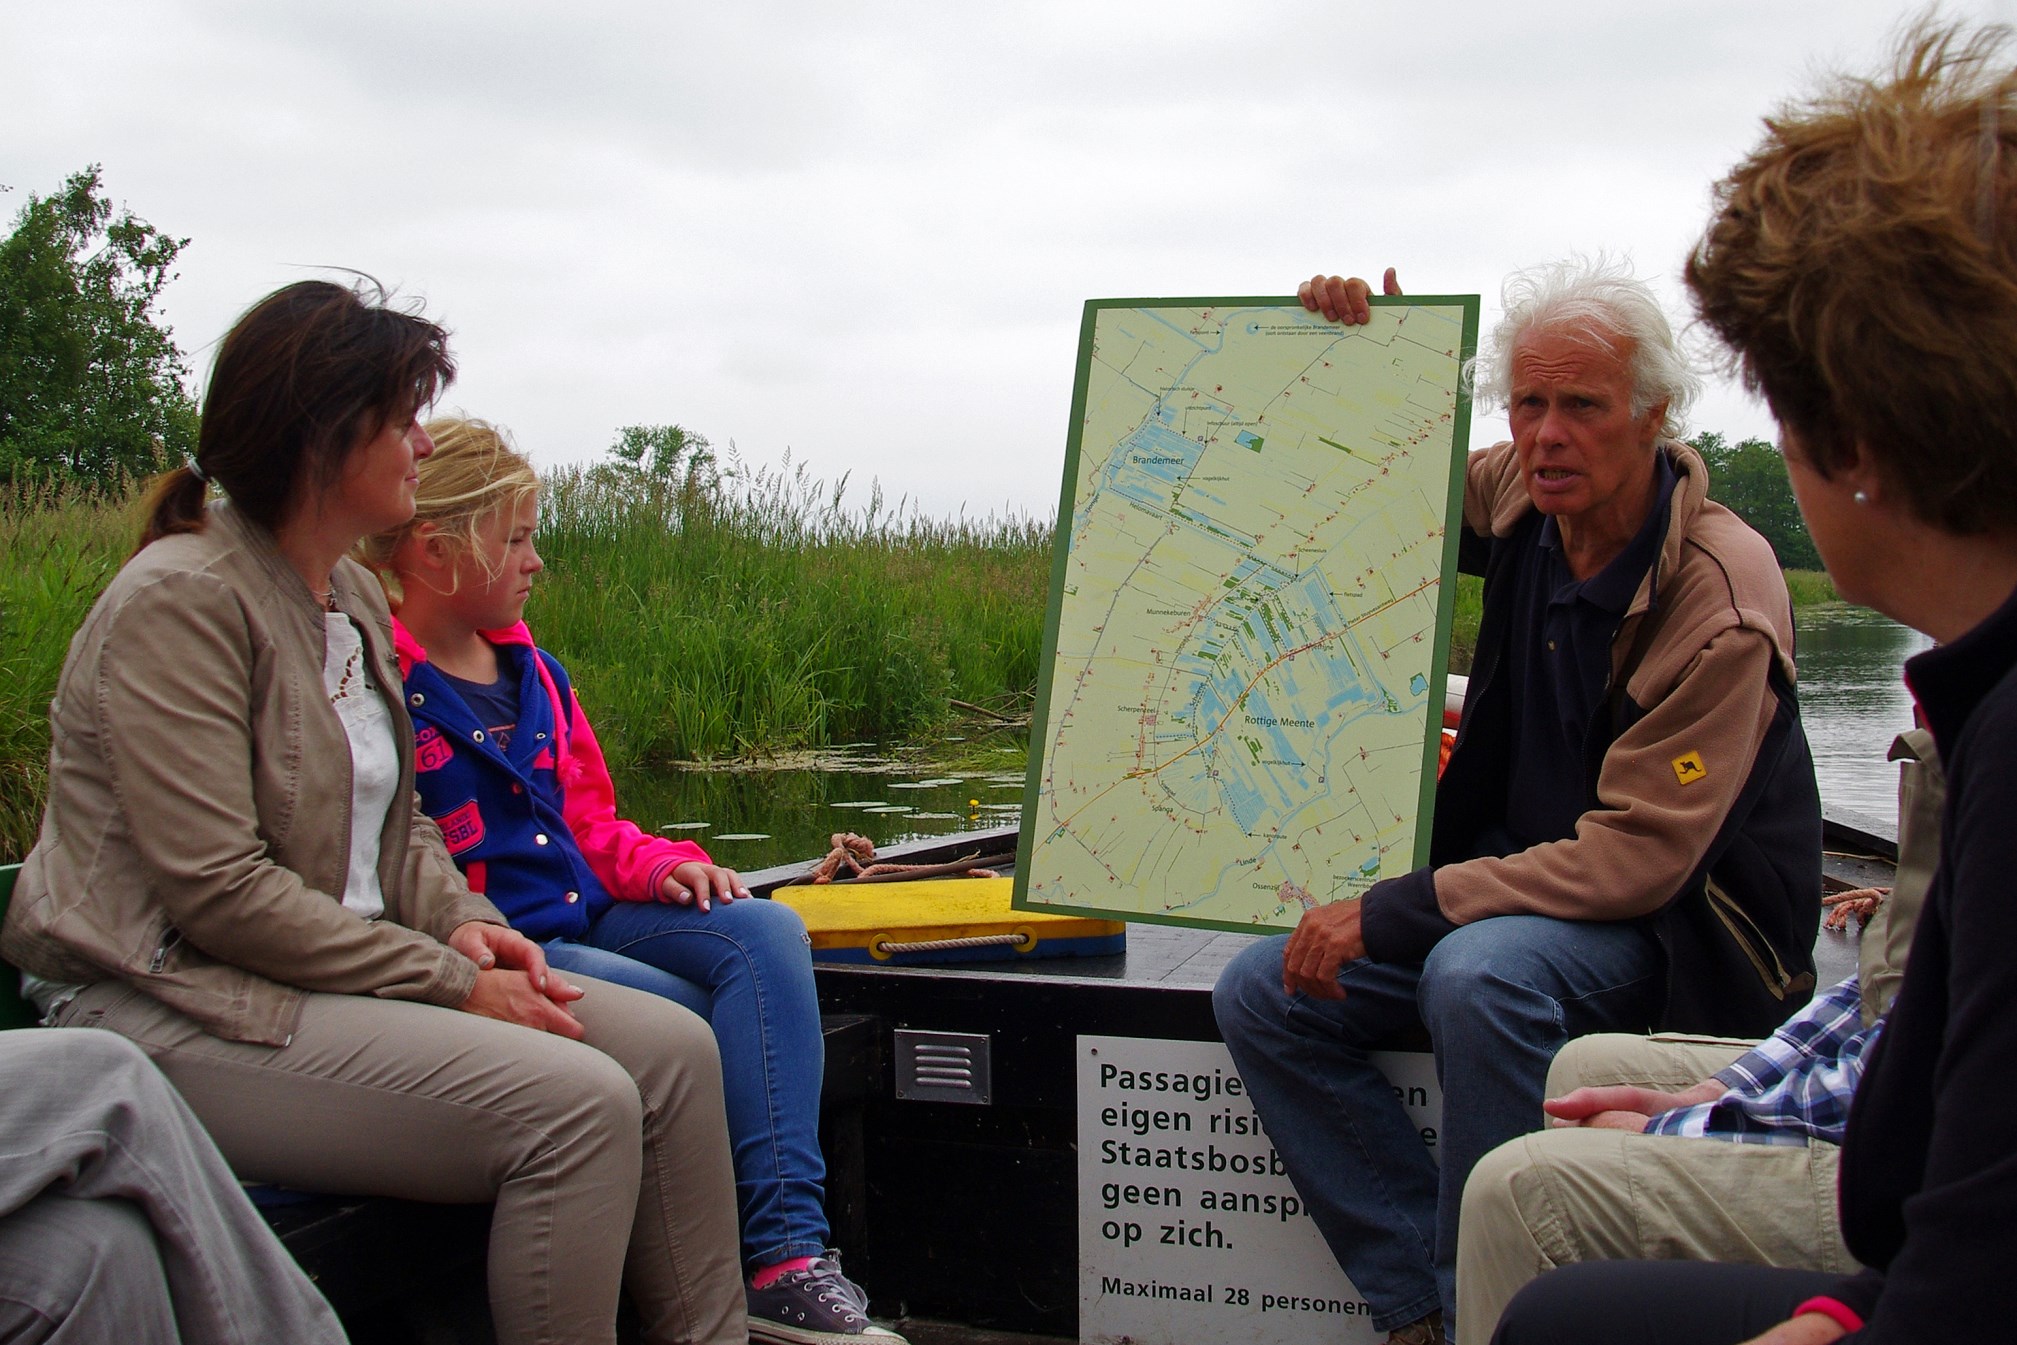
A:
(1688, 769)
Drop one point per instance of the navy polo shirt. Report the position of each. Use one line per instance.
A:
(1559, 666)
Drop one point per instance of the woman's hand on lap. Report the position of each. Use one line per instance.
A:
(511, 997)
(695, 883)
(489, 945)
(499, 946)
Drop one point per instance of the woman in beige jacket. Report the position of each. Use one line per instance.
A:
(231, 871)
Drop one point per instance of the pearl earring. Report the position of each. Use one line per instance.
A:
(1862, 497)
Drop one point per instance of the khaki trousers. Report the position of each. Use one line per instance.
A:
(1561, 1196)
(607, 1159)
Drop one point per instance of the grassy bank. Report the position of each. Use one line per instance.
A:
(753, 620)
(769, 618)
(1810, 587)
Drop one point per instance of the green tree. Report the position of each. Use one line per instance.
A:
(1750, 479)
(91, 382)
(670, 455)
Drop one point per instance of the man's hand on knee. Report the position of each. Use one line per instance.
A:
(1325, 939)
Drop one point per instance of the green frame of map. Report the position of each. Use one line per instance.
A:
(1242, 719)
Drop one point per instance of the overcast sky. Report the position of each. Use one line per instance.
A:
(864, 233)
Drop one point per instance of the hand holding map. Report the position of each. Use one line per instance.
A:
(1344, 300)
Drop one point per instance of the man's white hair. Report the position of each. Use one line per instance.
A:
(1600, 301)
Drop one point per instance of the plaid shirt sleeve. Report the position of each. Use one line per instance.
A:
(1793, 1086)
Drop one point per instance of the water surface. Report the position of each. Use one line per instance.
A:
(1852, 699)
(754, 816)
(1853, 702)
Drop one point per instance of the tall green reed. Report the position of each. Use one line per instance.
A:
(58, 547)
(1810, 587)
(763, 614)
(1469, 610)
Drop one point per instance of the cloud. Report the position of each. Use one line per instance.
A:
(866, 232)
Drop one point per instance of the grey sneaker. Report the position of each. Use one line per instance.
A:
(814, 1306)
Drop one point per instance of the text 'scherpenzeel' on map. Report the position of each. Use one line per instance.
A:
(1250, 609)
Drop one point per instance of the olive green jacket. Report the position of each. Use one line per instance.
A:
(197, 836)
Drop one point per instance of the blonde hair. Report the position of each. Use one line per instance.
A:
(473, 473)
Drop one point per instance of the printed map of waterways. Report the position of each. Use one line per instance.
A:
(1239, 706)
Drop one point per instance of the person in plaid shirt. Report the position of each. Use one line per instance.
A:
(1792, 1087)
(1598, 1186)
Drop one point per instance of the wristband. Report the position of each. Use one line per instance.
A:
(1838, 1313)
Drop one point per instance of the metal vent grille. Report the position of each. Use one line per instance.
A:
(943, 1067)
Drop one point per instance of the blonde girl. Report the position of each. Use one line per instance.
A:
(508, 766)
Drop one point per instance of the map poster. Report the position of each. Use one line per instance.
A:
(1249, 623)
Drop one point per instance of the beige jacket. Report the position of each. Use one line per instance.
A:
(1701, 814)
(1703, 691)
(197, 836)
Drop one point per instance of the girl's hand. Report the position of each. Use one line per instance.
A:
(511, 997)
(695, 883)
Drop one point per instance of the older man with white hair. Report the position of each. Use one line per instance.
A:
(1627, 836)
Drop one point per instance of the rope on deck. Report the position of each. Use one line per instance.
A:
(888, 949)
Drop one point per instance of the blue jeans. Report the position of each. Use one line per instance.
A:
(1499, 998)
(746, 967)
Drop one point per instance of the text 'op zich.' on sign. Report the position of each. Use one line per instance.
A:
(1189, 1231)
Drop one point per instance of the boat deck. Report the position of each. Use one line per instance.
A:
(962, 1219)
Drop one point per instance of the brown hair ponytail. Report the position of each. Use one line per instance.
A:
(174, 505)
(306, 375)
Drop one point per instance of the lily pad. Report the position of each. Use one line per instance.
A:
(742, 836)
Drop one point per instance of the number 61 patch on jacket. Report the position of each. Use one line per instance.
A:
(461, 828)
(431, 751)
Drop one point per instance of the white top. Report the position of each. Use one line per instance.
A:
(374, 758)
